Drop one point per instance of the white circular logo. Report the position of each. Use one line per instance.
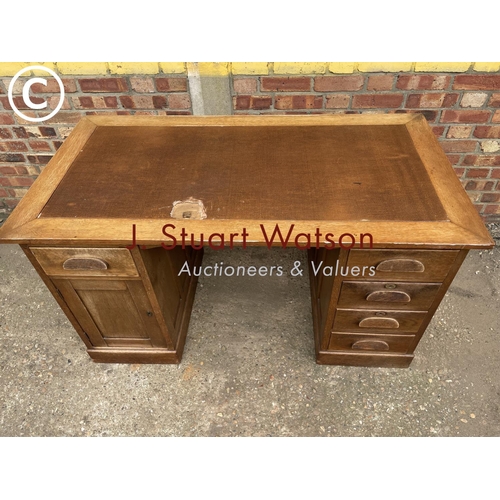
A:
(26, 93)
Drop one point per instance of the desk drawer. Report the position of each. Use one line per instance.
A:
(85, 261)
(373, 321)
(403, 265)
(370, 343)
(387, 295)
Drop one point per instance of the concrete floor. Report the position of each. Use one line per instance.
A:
(248, 368)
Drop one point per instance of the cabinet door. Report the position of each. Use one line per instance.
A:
(113, 313)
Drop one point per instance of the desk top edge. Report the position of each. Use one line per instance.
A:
(27, 212)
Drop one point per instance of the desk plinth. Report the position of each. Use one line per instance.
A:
(379, 175)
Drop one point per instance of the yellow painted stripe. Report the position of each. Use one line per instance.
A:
(252, 68)
(384, 67)
(487, 66)
(442, 67)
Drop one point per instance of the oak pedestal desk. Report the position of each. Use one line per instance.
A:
(379, 175)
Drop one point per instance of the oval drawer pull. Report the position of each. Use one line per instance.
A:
(85, 264)
(370, 345)
(401, 266)
(379, 323)
(388, 296)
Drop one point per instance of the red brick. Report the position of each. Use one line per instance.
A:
(134, 102)
(53, 87)
(40, 146)
(450, 100)
(6, 119)
(377, 101)
(11, 157)
(496, 117)
(65, 117)
(464, 116)
(469, 160)
(477, 82)
(380, 82)
(83, 102)
(298, 102)
(338, 83)
(477, 172)
(39, 159)
(486, 132)
(103, 84)
(21, 181)
(337, 101)
(12, 203)
(22, 170)
(47, 131)
(252, 102)
(171, 84)
(458, 146)
(179, 101)
(3, 193)
(438, 131)
(57, 144)
(284, 84)
(172, 112)
(19, 102)
(492, 209)
(12, 146)
(494, 101)
(20, 132)
(8, 171)
(245, 85)
(454, 159)
(423, 82)
(495, 173)
(159, 101)
(490, 197)
(5, 133)
(431, 100)
(459, 171)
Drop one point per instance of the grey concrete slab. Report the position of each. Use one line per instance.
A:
(248, 367)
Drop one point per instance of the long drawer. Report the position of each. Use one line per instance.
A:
(370, 343)
(386, 321)
(402, 265)
(406, 296)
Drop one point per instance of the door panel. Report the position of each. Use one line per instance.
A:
(112, 312)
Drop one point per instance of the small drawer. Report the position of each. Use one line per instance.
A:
(402, 265)
(370, 343)
(85, 261)
(373, 321)
(387, 295)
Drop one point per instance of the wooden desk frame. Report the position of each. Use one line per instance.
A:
(462, 230)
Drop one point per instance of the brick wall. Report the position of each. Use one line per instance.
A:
(461, 101)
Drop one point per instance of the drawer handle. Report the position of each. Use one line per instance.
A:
(370, 345)
(379, 323)
(401, 266)
(85, 264)
(388, 296)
